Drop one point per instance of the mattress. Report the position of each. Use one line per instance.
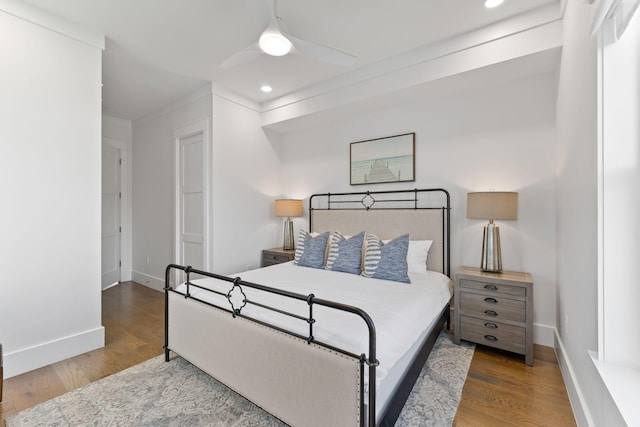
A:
(402, 313)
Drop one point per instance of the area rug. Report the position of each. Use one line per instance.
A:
(156, 393)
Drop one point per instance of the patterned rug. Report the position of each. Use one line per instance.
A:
(155, 393)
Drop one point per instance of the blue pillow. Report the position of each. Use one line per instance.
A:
(387, 261)
(313, 249)
(345, 254)
(300, 243)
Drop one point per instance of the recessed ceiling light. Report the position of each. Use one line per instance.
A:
(489, 4)
(266, 88)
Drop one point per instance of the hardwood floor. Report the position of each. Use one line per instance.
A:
(500, 389)
(133, 317)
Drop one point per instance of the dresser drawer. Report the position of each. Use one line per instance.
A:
(492, 307)
(276, 256)
(490, 287)
(494, 334)
(495, 309)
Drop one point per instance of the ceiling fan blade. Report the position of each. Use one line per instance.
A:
(249, 54)
(263, 12)
(321, 53)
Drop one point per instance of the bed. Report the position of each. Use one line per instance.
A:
(318, 347)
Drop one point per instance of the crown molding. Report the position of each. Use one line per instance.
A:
(230, 96)
(205, 90)
(51, 22)
(535, 31)
(116, 121)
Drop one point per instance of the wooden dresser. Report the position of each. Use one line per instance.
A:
(495, 309)
(276, 256)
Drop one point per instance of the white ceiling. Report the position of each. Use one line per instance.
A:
(159, 51)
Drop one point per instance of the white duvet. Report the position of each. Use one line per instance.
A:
(400, 311)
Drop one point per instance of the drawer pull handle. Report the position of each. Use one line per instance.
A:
(490, 338)
(491, 287)
(490, 313)
(491, 300)
(491, 325)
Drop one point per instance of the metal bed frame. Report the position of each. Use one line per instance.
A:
(310, 299)
(237, 300)
(408, 199)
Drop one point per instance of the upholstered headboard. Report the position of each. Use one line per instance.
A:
(423, 213)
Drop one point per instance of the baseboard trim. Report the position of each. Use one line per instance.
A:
(576, 396)
(148, 280)
(110, 286)
(544, 335)
(37, 356)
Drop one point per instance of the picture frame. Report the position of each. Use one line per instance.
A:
(383, 160)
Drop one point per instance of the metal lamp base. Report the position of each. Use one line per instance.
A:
(491, 254)
(288, 243)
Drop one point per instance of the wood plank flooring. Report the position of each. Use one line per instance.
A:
(133, 317)
(500, 389)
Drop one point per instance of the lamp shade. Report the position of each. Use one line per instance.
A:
(492, 205)
(288, 207)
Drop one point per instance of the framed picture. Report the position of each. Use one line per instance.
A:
(389, 159)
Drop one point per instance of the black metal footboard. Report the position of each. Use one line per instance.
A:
(237, 300)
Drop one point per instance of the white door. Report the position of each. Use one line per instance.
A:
(191, 201)
(111, 194)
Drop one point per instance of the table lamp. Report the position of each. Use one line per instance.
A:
(288, 208)
(492, 205)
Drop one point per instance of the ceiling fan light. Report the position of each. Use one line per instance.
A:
(490, 4)
(274, 43)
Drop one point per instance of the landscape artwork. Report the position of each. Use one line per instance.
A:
(389, 159)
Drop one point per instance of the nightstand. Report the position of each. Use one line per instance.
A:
(276, 256)
(495, 309)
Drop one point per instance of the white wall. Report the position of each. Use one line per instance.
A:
(245, 181)
(153, 186)
(117, 129)
(50, 184)
(577, 295)
(500, 137)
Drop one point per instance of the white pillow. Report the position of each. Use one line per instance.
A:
(417, 255)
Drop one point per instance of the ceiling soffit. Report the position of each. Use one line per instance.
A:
(522, 36)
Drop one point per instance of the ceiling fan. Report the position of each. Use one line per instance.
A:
(276, 41)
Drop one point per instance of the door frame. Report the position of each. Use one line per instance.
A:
(125, 206)
(114, 190)
(180, 133)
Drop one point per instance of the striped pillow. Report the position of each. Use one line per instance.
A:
(345, 254)
(300, 243)
(387, 261)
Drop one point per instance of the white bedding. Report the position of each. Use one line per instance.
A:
(399, 311)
